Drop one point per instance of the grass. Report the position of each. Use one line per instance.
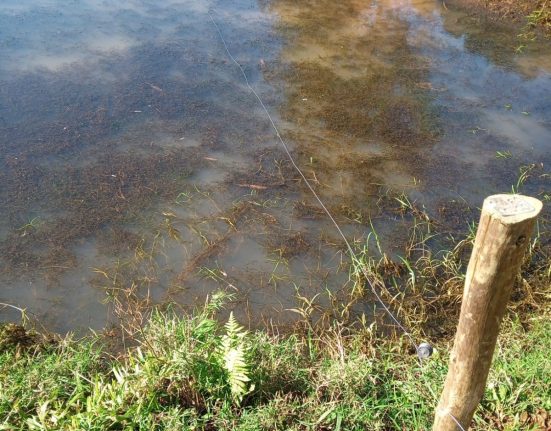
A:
(539, 14)
(178, 376)
(538, 18)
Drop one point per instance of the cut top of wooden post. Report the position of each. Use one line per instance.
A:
(511, 209)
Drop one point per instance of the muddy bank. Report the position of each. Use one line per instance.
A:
(534, 15)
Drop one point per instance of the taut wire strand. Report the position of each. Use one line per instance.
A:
(325, 209)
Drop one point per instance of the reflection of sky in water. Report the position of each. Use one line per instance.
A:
(53, 34)
(486, 97)
(486, 106)
(88, 81)
(472, 77)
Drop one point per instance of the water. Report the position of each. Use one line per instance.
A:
(133, 156)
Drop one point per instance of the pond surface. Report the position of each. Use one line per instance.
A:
(134, 158)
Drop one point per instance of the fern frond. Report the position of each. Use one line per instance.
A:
(234, 355)
(234, 331)
(236, 366)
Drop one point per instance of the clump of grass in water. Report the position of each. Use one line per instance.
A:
(424, 280)
(539, 19)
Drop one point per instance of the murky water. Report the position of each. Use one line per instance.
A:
(133, 156)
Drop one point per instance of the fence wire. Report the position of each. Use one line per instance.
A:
(372, 282)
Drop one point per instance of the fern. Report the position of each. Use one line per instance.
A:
(234, 357)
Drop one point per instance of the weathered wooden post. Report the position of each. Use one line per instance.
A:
(506, 224)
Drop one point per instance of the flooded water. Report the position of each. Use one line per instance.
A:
(133, 156)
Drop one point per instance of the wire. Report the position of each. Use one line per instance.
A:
(291, 159)
(456, 422)
(369, 280)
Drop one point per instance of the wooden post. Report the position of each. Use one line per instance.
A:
(506, 224)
